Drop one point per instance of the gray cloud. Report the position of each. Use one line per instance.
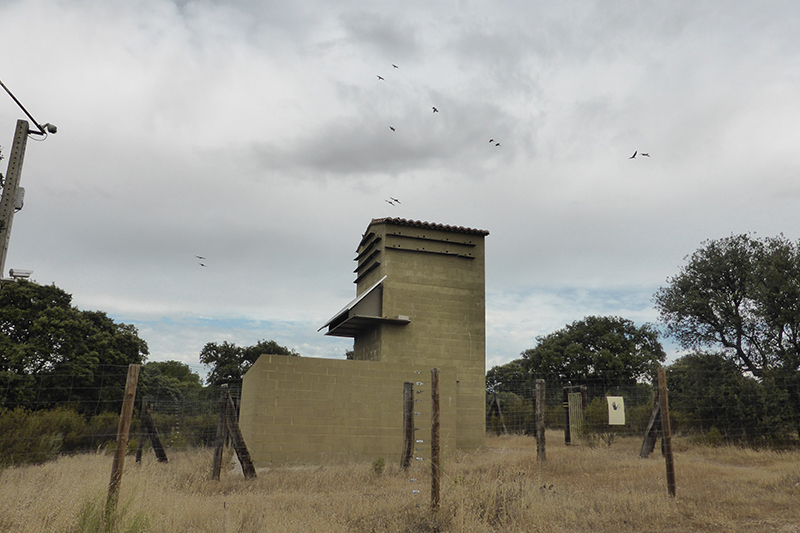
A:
(257, 134)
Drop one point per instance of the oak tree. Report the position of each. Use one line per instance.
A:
(230, 362)
(601, 352)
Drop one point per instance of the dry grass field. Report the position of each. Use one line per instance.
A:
(499, 488)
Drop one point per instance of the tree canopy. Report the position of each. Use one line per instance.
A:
(230, 362)
(740, 295)
(610, 351)
(169, 379)
(52, 353)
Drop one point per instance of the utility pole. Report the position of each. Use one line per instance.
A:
(8, 202)
(11, 200)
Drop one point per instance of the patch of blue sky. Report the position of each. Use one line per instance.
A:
(514, 319)
(181, 338)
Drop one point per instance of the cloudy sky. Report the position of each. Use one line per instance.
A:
(256, 134)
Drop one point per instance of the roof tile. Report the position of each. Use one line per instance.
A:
(428, 225)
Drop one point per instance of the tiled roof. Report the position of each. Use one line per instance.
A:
(428, 225)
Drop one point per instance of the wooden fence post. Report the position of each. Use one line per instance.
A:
(666, 437)
(142, 431)
(152, 431)
(232, 421)
(495, 408)
(653, 429)
(221, 433)
(565, 405)
(123, 431)
(575, 418)
(147, 429)
(408, 424)
(435, 445)
(539, 417)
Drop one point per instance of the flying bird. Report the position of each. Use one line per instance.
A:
(391, 128)
(395, 66)
(491, 140)
(200, 257)
(201, 264)
(389, 202)
(435, 110)
(634, 155)
(392, 198)
(497, 144)
(645, 155)
(380, 77)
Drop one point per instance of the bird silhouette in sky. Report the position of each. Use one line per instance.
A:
(391, 128)
(200, 257)
(634, 155)
(645, 155)
(389, 202)
(395, 66)
(435, 110)
(392, 198)
(380, 77)
(497, 144)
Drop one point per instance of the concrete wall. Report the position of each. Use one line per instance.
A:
(310, 410)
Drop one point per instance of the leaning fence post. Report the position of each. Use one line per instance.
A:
(435, 446)
(142, 430)
(666, 438)
(155, 440)
(147, 430)
(539, 416)
(653, 429)
(221, 433)
(123, 431)
(232, 423)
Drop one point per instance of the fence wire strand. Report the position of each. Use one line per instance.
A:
(59, 412)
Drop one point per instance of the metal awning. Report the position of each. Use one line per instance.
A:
(362, 313)
(353, 325)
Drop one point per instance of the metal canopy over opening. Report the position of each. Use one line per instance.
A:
(362, 313)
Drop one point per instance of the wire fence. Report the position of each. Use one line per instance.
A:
(55, 412)
(708, 405)
(51, 413)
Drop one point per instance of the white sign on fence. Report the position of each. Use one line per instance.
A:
(616, 410)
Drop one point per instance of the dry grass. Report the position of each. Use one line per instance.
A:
(500, 488)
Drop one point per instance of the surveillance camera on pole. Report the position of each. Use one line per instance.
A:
(18, 273)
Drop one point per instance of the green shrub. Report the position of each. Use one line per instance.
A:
(101, 432)
(711, 392)
(35, 437)
(714, 437)
(201, 430)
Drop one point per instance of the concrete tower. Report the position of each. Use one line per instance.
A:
(420, 304)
